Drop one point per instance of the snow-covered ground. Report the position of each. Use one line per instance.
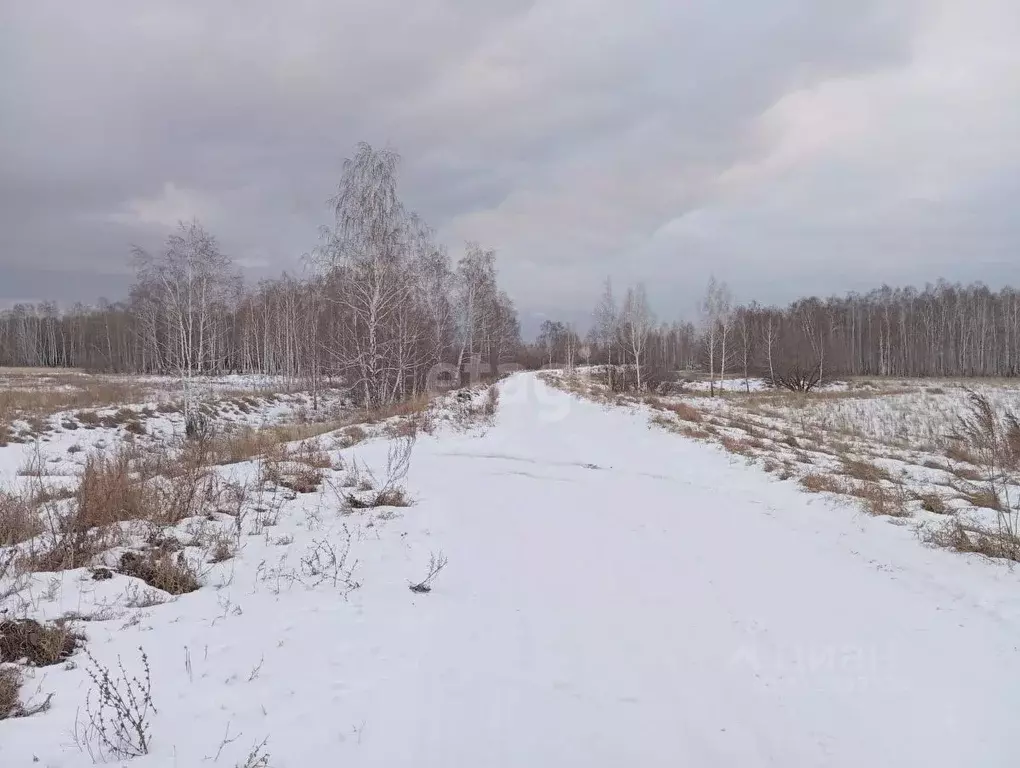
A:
(615, 595)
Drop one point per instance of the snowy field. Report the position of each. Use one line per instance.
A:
(892, 447)
(618, 592)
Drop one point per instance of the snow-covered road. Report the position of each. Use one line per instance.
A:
(615, 596)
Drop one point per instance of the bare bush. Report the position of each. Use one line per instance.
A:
(326, 562)
(19, 521)
(686, 412)
(933, 502)
(864, 470)
(882, 500)
(491, 404)
(174, 575)
(117, 711)
(795, 377)
(40, 645)
(258, 757)
(437, 562)
(11, 705)
(10, 685)
(126, 486)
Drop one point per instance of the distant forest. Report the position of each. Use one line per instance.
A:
(276, 327)
(944, 330)
(383, 306)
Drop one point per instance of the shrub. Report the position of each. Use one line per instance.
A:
(880, 500)
(10, 685)
(933, 502)
(19, 521)
(736, 445)
(491, 403)
(40, 645)
(686, 412)
(864, 470)
(117, 713)
(819, 482)
(173, 575)
(353, 435)
(436, 564)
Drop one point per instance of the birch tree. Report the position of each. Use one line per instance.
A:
(638, 321)
(185, 281)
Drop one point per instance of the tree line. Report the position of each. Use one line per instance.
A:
(381, 306)
(943, 330)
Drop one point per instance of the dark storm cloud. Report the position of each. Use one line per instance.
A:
(777, 143)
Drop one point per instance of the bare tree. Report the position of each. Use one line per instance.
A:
(186, 284)
(606, 321)
(715, 311)
(638, 321)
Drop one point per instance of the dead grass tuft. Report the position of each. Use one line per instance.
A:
(933, 502)
(881, 500)
(983, 496)
(353, 435)
(222, 549)
(305, 480)
(686, 412)
(962, 538)
(958, 451)
(737, 446)
(19, 520)
(108, 493)
(864, 470)
(127, 485)
(491, 404)
(40, 645)
(388, 497)
(10, 686)
(821, 482)
(173, 575)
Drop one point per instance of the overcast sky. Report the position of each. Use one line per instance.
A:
(790, 146)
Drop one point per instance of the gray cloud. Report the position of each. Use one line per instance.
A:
(790, 146)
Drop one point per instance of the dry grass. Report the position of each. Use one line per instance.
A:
(305, 480)
(40, 645)
(10, 701)
(491, 404)
(248, 443)
(10, 686)
(173, 575)
(223, 548)
(679, 428)
(933, 502)
(876, 497)
(353, 435)
(123, 486)
(860, 469)
(822, 482)
(19, 519)
(958, 451)
(959, 537)
(686, 412)
(388, 497)
(43, 396)
(983, 496)
(413, 407)
(881, 500)
(737, 445)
